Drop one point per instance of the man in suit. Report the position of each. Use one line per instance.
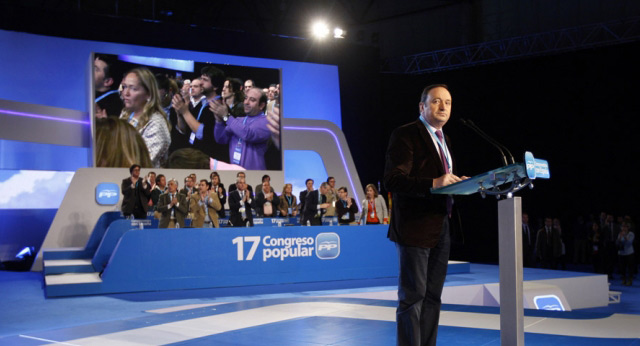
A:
(267, 201)
(548, 244)
(204, 206)
(241, 203)
(136, 193)
(303, 195)
(172, 207)
(528, 242)
(418, 158)
(239, 175)
(315, 206)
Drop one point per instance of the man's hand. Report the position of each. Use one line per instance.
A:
(246, 196)
(273, 125)
(174, 201)
(219, 109)
(179, 104)
(446, 179)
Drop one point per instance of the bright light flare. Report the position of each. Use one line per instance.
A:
(338, 33)
(320, 30)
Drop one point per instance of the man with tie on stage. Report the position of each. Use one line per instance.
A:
(172, 206)
(419, 158)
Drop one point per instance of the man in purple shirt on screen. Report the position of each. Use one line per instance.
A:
(247, 136)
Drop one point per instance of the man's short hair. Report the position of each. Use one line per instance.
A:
(158, 178)
(264, 177)
(330, 179)
(133, 167)
(206, 182)
(188, 158)
(215, 74)
(425, 91)
(308, 180)
(175, 181)
(343, 189)
(324, 184)
(238, 174)
(109, 61)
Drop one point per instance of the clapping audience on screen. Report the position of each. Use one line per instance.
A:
(233, 96)
(197, 123)
(247, 137)
(143, 111)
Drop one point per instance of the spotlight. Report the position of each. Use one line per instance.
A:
(320, 30)
(338, 33)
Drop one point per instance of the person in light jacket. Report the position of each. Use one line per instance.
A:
(374, 208)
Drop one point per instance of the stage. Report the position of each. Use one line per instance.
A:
(348, 312)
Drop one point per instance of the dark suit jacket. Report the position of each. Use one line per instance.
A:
(233, 187)
(303, 199)
(412, 163)
(235, 216)
(129, 196)
(261, 200)
(223, 200)
(311, 206)
(180, 211)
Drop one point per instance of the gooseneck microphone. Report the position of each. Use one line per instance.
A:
(501, 148)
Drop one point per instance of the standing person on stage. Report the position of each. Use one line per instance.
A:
(315, 206)
(204, 205)
(288, 202)
(218, 187)
(626, 253)
(346, 207)
(267, 201)
(374, 208)
(173, 207)
(419, 158)
(136, 193)
(303, 194)
(332, 196)
(241, 203)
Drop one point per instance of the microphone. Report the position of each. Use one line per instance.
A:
(469, 123)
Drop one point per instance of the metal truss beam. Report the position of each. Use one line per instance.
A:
(547, 43)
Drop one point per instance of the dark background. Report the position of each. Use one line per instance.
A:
(576, 109)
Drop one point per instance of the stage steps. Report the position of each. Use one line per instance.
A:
(62, 266)
(72, 284)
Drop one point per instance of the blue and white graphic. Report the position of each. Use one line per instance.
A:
(26, 189)
(327, 245)
(548, 302)
(107, 193)
(530, 165)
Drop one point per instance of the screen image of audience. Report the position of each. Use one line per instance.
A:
(212, 121)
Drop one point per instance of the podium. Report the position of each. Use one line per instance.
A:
(504, 182)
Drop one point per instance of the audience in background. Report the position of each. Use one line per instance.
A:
(346, 207)
(217, 187)
(172, 207)
(288, 204)
(315, 206)
(204, 206)
(241, 203)
(332, 196)
(135, 193)
(374, 207)
(267, 201)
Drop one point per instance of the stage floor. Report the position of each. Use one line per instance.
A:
(329, 313)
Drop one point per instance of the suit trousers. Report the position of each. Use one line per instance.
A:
(420, 284)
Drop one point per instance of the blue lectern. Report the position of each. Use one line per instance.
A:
(500, 182)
